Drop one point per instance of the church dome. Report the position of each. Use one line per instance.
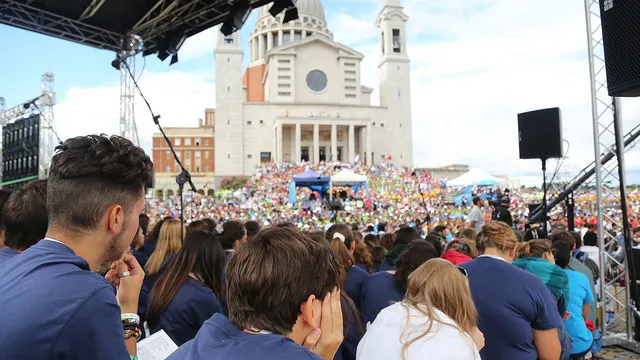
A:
(305, 7)
(270, 32)
(311, 7)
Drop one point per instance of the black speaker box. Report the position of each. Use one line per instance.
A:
(540, 134)
(621, 35)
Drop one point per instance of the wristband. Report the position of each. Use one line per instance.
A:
(133, 357)
(130, 319)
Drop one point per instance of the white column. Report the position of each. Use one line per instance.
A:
(251, 54)
(334, 143)
(368, 146)
(352, 144)
(316, 144)
(280, 38)
(279, 142)
(260, 47)
(298, 144)
(269, 41)
(304, 34)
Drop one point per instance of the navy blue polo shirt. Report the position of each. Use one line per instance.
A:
(220, 339)
(511, 302)
(6, 254)
(353, 284)
(54, 307)
(378, 292)
(386, 265)
(190, 308)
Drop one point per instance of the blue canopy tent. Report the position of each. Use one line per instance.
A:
(311, 180)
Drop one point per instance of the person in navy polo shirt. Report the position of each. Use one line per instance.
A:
(189, 291)
(517, 314)
(24, 218)
(283, 303)
(53, 305)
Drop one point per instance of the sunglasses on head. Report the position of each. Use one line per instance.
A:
(463, 271)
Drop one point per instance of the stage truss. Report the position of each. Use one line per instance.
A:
(615, 302)
(128, 128)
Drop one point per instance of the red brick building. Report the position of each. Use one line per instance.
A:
(195, 149)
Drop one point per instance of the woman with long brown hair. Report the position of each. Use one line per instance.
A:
(188, 292)
(352, 324)
(340, 237)
(436, 320)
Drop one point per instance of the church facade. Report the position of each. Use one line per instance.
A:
(302, 97)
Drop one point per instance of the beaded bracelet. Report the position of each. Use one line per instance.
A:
(131, 333)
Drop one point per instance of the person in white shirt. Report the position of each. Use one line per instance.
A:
(437, 320)
(476, 219)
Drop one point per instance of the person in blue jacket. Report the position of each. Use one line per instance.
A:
(283, 303)
(188, 292)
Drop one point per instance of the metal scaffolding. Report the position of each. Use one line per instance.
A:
(615, 303)
(127, 123)
(48, 134)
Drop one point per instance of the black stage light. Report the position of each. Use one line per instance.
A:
(163, 55)
(290, 15)
(281, 5)
(174, 59)
(237, 17)
(116, 64)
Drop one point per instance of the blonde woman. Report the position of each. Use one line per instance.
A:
(436, 320)
(168, 245)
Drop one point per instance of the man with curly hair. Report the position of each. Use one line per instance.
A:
(53, 305)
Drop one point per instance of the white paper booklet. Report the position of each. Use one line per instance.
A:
(156, 347)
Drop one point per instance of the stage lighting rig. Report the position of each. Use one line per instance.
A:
(237, 17)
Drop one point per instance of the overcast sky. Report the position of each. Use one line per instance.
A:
(476, 64)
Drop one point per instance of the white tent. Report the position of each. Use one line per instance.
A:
(347, 177)
(476, 177)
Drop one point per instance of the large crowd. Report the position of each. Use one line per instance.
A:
(89, 266)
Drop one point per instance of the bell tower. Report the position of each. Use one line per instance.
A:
(228, 121)
(395, 86)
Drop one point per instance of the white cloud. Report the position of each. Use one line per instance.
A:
(476, 64)
(180, 98)
(199, 45)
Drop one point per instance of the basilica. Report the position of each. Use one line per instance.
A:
(302, 97)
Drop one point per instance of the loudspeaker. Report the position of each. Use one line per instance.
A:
(621, 35)
(540, 134)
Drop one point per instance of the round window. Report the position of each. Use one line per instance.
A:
(317, 80)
